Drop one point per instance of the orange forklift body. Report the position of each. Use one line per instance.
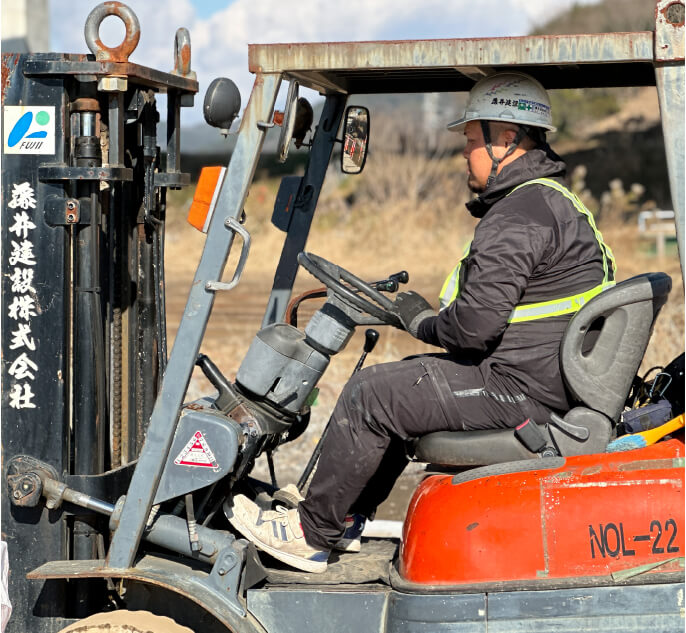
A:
(590, 516)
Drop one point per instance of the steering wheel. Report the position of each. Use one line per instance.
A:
(357, 294)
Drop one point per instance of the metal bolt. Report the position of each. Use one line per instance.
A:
(222, 571)
(16, 494)
(72, 211)
(26, 486)
(113, 84)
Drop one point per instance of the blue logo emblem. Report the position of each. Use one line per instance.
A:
(23, 125)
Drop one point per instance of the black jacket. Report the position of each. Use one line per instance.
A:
(530, 246)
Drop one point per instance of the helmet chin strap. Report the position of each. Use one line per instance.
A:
(486, 130)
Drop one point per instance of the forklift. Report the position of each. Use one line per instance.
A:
(118, 490)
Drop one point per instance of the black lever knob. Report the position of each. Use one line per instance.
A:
(371, 337)
(402, 277)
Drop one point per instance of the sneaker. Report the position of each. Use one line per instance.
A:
(279, 533)
(289, 495)
(351, 541)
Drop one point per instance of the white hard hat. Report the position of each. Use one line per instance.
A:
(507, 97)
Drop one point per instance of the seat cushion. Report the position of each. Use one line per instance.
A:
(496, 446)
(471, 448)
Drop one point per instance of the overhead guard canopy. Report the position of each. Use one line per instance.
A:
(452, 65)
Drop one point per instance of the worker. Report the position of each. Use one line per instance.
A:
(535, 258)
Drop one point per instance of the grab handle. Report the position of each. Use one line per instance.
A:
(234, 225)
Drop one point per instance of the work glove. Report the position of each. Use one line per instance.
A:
(412, 309)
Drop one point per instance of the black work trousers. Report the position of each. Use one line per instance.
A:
(381, 408)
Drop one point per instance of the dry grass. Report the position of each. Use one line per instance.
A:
(634, 258)
(398, 215)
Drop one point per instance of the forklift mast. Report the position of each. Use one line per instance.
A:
(84, 183)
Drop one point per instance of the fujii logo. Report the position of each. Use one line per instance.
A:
(29, 129)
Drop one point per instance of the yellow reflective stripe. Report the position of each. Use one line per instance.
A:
(581, 208)
(451, 286)
(556, 307)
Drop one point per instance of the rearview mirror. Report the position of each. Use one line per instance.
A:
(288, 120)
(222, 104)
(296, 123)
(355, 139)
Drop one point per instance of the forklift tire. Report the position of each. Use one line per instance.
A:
(124, 621)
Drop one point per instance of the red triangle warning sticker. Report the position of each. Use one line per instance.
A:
(197, 452)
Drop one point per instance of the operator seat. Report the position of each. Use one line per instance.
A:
(600, 353)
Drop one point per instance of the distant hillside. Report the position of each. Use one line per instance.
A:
(615, 133)
(608, 16)
(577, 109)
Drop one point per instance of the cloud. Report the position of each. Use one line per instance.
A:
(219, 42)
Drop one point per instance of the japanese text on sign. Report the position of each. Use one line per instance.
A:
(21, 306)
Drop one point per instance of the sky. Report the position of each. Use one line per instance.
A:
(220, 30)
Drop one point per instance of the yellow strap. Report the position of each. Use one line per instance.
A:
(556, 307)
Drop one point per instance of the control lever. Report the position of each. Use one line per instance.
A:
(402, 277)
(579, 432)
(392, 283)
(226, 400)
(371, 338)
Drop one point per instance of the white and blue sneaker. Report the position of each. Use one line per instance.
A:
(279, 533)
(351, 540)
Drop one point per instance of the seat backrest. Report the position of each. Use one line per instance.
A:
(605, 341)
